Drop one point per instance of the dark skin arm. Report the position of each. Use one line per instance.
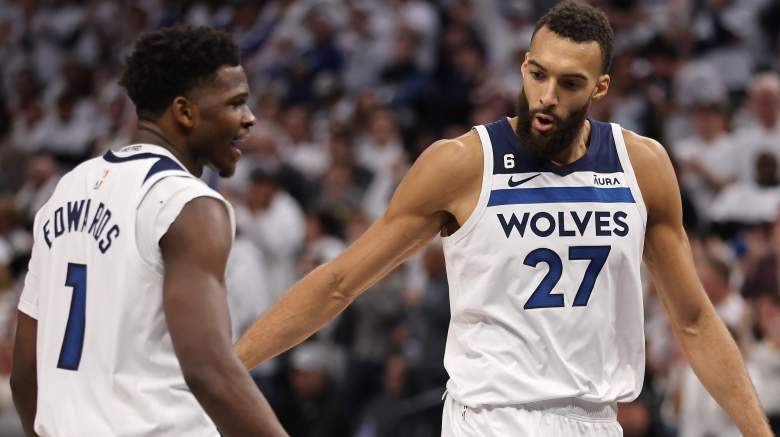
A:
(24, 379)
(195, 251)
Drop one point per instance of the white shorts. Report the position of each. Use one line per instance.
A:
(565, 418)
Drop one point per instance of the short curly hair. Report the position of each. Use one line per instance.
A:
(170, 62)
(580, 23)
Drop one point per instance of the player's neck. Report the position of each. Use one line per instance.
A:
(577, 149)
(150, 133)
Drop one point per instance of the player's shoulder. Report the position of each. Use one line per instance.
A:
(644, 150)
(178, 185)
(653, 168)
(441, 176)
(461, 155)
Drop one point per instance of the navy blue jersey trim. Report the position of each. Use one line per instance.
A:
(601, 156)
(519, 196)
(164, 162)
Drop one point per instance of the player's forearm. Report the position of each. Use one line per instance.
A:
(301, 311)
(229, 397)
(712, 354)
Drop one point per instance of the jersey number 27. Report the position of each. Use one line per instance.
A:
(542, 297)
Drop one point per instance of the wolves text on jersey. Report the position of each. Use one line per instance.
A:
(77, 216)
(567, 224)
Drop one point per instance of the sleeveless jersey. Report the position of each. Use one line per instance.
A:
(544, 280)
(106, 364)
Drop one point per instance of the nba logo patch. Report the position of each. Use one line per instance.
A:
(99, 183)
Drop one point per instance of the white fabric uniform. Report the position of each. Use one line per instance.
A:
(548, 419)
(106, 364)
(545, 291)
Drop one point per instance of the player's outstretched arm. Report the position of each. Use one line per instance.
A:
(195, 251)
(24, 379)
(415, 215)
(710, 349)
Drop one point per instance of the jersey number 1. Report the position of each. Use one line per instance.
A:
(542, 297)
(73, 343)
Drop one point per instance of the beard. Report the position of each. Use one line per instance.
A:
(558, 139)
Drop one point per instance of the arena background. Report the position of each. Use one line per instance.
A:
(347, 95)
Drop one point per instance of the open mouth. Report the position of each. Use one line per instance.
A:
(543, 122)
(237, 144)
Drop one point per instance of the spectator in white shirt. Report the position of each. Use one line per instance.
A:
(274, 222)
(753, 202)
(761, 131)
(708, 159)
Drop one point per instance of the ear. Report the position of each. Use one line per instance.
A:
(184, 112)
(602, 86)
(524, 65)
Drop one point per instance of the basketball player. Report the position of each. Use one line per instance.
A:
(123, 326)
(545, 218)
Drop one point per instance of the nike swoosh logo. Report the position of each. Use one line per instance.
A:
(513, 184)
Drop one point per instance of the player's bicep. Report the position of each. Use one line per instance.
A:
(194, 251)
(667, 250)
(25, 350)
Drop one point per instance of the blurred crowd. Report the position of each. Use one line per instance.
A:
(347, 94)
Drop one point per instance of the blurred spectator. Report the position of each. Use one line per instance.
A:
(246, 284)
(384, 416)
(300, 150)
(274, 222)
(428, 321)
(318, 66)
(626, 102)
(26, 136)
(342, 187)
(403, 83)
(248, 295)
(381, 151)
(14, 244)
(420, 16)
(720, 37)
(760, 131)
(309, 405)
(366, 45)
(323, 240)
(708, 158)
(763, 195)
(381, 148)
(69, 130)
(42, 178)
(377, 313)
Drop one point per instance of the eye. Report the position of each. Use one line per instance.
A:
(571, 84)
(538, 75)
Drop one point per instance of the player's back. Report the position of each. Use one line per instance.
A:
(106, 364)
(544, 277)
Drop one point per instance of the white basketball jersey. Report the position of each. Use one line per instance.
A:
(545, 290)
(106, 364)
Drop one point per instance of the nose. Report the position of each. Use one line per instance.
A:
(549, 97)
(248, 120)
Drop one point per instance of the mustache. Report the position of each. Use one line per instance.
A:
(547, 110)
